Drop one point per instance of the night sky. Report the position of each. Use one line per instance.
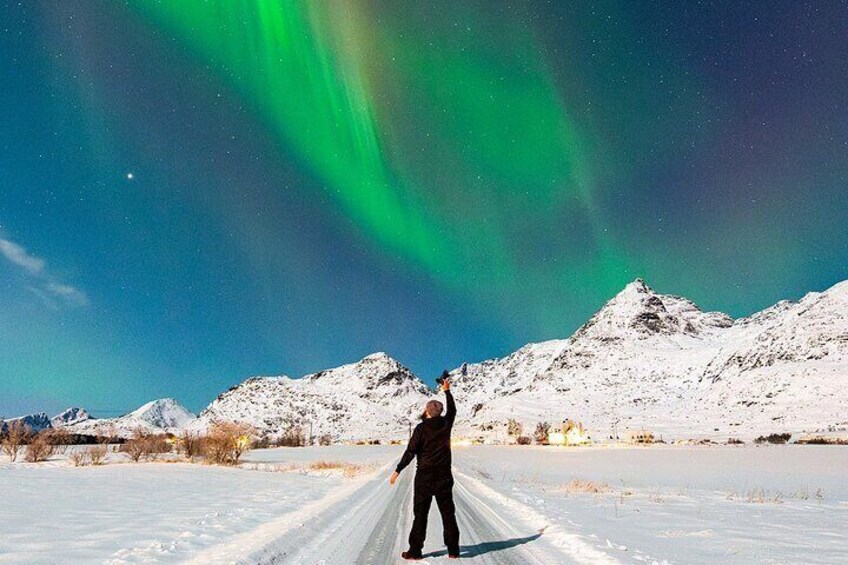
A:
(192, 193)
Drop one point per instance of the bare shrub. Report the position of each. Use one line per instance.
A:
(756, 495)
(94, 455)
(135, 447)
(59, 438)
(541, 433)
(80, 457)
(144, 445)
(325, 440)
(348, 470)
(192, 445)
(106, 435)
(97, 454)
(759, 495)
(351, 470)
(39, 449)
(326, 465)
(158, 444)
(514, 428)
(590, 487)
(524, 440)
(293, 437)
(776, 439)
(819, 440)
(262, 442)
(228, 441)
(17, 434)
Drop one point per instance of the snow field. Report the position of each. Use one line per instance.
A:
(125, 512)
(658, 504)
(785, 504)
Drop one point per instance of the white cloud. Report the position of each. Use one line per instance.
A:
(20, 257)
(68, 292)
(45, 286)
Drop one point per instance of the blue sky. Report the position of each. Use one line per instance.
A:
(168, 227)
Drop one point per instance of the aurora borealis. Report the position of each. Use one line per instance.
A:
(196, 192)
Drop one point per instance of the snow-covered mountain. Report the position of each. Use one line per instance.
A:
(35, 422)
(645, 360)
(375, 398)
(656, 361)
(165, 415)
(70, 416)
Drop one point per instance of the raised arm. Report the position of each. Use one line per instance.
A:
(450, 415)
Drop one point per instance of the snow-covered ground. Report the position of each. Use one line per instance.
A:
(775, 504)
(705, 504)
(126, 512)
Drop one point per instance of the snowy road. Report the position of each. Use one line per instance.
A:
(369, 526)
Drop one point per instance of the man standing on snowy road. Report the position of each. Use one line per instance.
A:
(430, 442)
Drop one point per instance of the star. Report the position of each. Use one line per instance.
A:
(130, 176)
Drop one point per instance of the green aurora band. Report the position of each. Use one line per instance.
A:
(484, 144)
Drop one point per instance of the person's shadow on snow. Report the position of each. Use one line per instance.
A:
(488, 546)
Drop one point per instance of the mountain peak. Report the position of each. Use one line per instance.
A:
(637, 284)
(640, 311)
(162, 413)
(635, 298)
(375, 370)
(635, 289)
(378, 356)
(69, 416)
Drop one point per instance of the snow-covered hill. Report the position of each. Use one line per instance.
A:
(159, 416)
(655, 361)
(376, 397)
(70, 416)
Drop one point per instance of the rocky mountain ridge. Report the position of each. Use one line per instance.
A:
(655, 361)
(375, 397)
(644, 361)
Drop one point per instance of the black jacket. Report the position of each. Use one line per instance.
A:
(430, 442)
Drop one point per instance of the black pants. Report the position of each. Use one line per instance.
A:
(428, 485)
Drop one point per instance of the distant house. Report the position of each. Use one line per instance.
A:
(569, 433)
(640, 436)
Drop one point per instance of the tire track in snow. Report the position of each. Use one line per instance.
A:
(369, 527)
(384, 544)
(488, 538)
(345, 532)
(567, 546)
